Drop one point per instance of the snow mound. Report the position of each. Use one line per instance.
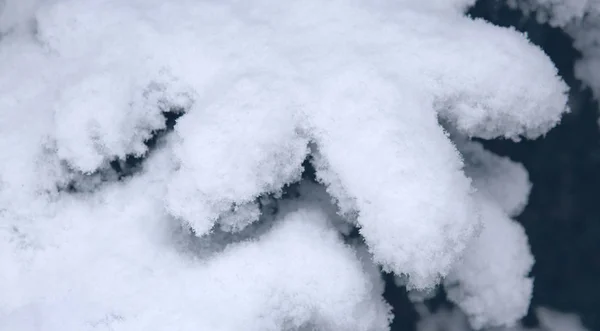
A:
(491, 282)
(357, 87)
(298, 274)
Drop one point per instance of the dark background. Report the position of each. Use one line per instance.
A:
(562, 219)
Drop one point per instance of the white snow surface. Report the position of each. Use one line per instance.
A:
(114, 261)
(357, 86)
(504, 181)
(581, 20)
(490, 283)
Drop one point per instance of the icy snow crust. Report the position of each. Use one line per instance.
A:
(357, 87)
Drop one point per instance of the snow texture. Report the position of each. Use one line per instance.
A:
(137, 281)
(504, 181)
(581, 20)
(490, 283)
(356, 87)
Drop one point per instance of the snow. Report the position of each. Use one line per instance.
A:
(503, 180)
(557, 12)
(455, 320)
(586, 35)
(557, 321)
(491, 282)
(16, 15)
(579, 19)
(109, 116)
(357, 88)
(246, 137)
(84, 273)
(392, 185)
